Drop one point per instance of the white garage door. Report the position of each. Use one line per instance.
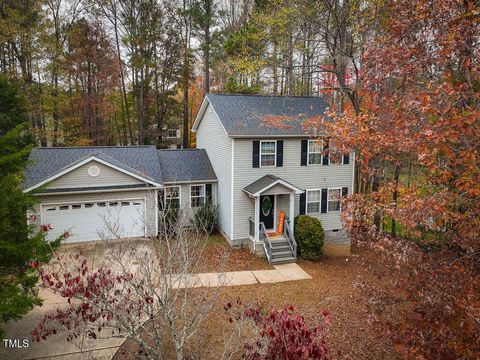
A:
(95, 220)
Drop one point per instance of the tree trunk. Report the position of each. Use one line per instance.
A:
(395, 198)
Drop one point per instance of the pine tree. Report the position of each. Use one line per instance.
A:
(22, 249)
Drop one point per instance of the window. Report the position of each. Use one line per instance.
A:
(88, 205)
(76, 206)
(172, 196)
(101, 204)
(197, 195)
(125, 203)
(172, 133)
(314, 152)
(334, 196)
(63, 207)
(51, 209)
(268, 153)
(313, 201)
(113, 204)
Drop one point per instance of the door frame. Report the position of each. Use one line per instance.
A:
(274, 210)
(144, 199)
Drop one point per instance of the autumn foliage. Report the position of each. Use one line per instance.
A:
(282, 333)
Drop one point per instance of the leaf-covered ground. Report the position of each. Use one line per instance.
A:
(332, 287)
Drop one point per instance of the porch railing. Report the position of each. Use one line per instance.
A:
(266, 242)
(251, 227)
(287, 231)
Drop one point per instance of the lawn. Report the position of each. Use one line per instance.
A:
(332, 288)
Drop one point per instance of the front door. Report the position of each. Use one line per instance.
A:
(267, 206)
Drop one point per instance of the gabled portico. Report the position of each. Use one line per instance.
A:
(264, 226)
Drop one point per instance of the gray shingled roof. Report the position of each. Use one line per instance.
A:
(263, 182)
(46, 162)
(257, 115)
(185, 165)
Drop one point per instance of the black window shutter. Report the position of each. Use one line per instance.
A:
(324, 200)
(279, 153)
(303, 161)
(208, 191)
(346, 158)
(303, 203)
(344, 191)
(161, 199)
(256, 154)
(325, 150)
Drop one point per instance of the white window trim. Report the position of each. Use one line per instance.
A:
(328, 197)
(309, 152)
(172, 137)
(204, 195)
(179, 194)
(260, 154)
(319, 202)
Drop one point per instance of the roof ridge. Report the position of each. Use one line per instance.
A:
(92, 147)
(270, 96)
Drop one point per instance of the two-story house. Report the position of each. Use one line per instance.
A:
(255, 158)
(267, 161)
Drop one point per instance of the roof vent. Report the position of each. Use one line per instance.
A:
(93, 171)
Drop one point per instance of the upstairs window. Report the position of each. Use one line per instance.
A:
(197, 195)
(315, 152)
(172, 133)
(172, 196)
(334, 196)
(268, 153)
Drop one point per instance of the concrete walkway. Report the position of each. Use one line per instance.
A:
(281, 273)
(57, 347)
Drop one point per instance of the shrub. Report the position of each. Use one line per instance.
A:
(309, 236)
(206, 217)
(280, 333)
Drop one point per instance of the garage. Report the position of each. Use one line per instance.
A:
(95, 220)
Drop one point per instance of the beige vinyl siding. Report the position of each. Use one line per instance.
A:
(304, 177)
(212, 137)
(80, 178)
(277, 189)
(185, 197)
(148, 195)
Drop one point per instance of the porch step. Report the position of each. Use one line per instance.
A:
(278, 248)
(283, 260)
(281, 254)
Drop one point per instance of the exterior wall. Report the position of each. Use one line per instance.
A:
(304, 177)
(212, 137)
(148, 195)
(185, 197)
(80, 178)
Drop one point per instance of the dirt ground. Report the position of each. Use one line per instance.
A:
(331, 288)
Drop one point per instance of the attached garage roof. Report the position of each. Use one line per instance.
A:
(266, 182)
(47, 162)
(186, 165)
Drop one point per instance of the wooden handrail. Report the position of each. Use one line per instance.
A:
(287, 231)
(266, 242)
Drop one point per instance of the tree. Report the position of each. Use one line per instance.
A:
(21, 248)
(146, 290)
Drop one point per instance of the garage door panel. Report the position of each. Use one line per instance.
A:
(94, 220)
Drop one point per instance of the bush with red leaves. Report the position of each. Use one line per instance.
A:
(282, 334)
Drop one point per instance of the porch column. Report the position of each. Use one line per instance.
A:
(257, 218)
(292, 210)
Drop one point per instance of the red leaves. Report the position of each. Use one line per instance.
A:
(46, 227)
(283, 334)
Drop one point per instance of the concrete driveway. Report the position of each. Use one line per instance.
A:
(57, 346)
